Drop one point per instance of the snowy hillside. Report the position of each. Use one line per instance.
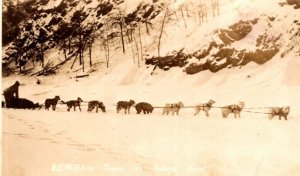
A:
(195, 35)
(252, 46)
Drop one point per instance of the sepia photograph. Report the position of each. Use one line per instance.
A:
(150, 88)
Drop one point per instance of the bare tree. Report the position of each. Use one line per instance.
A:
(119, 20)
(65, 49)
(141, 45)
(80, 44)
(202, 13)
(161, 29)
(41, 39)
(70, 42)
(147, 24)
(84, 41)
(181, 10)
(215, 7)
(63, 46)
(106, 50)
(90, 39)
(82, 57)
(195, 16)
(135, 43)
(129, 33)
(137, 49)
(161, 32)
(104, 37)
(74, 60)
(42, 53)
(90, 45)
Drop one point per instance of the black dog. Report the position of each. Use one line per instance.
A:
(51, 102)
(23, 103)
(125, 105)
(145, 107)
(73, 103)
(96, 104)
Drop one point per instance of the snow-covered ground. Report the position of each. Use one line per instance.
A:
(79, 143)
(62, 143)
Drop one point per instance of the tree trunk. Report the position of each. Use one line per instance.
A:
(147, 28)
(82, 57)
(141, 46)
(213, 7)
(82, 76)
(17, 57)
(80, 47)
(90, 53)
(183, 16)
(122, 37)
(69, 44)
(195, 16)
(137, 49)
(64, 47)
(42, 54)
(74, 60)
(65, 53)
(131, 38)
(107, 53)
(161, 30)
(200, 17)
(218, 7)
(106, 50)
(132, 49)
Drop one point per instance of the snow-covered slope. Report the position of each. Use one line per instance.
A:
(241, 30)
(195, 36)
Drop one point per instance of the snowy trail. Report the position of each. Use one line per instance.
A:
(115, 144)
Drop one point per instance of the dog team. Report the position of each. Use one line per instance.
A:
(12, 100)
